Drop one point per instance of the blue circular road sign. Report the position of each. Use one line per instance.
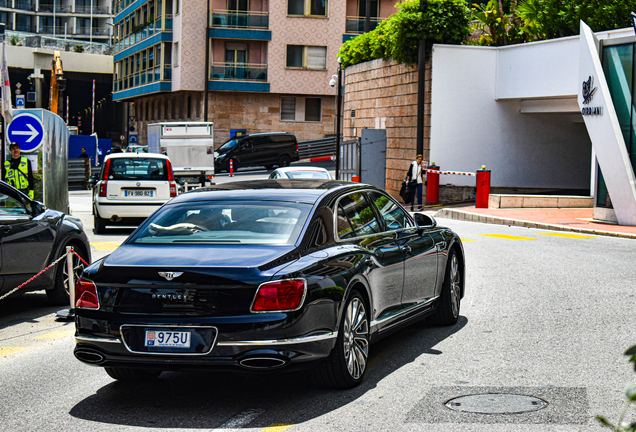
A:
(27, 130)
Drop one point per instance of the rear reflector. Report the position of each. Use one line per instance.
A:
(86, 294)
(280, 296)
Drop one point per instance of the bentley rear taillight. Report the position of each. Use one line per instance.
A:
(86, 294)
(280, 296)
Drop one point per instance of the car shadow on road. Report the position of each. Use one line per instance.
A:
(209, 399)
(28, 307)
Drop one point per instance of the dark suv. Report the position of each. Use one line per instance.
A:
(261, 149)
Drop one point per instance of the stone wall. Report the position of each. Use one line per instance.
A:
(255, 112)
(384, 95)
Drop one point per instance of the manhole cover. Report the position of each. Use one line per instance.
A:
(493, 403)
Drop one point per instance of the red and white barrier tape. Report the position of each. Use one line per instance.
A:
(319, 159)
(451, 172)
(52, 264)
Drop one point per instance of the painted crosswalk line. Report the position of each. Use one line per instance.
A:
(507, 237)
(578, 236)
(276, 428)
(105, 246)
(56, 334)
(7, 351)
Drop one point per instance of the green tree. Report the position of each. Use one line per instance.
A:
(399, 36)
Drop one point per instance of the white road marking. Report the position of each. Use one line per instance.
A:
(241, 419)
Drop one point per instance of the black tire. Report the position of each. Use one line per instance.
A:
(59, 294)
(345, 366)
(99, 223)
(450, 300)
(132, 375)
(284, 161)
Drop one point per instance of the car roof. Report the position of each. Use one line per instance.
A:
(297, 190)
(135, 155)
(300, 168)
(261, 134)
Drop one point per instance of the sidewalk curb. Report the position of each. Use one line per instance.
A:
(448, 213)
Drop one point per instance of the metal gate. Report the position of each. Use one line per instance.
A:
(373, 157)
(349, 159)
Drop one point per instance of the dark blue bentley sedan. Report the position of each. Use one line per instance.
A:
(274, 274)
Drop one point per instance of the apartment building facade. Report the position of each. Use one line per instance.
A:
(89, 20)
(270, 61)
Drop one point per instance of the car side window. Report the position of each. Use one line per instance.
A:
(11, 206)
(359, 214)
(394, 217)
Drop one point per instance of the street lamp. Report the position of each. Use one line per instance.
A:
(337, 79)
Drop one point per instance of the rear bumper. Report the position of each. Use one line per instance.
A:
(293, 353)
(110, 208)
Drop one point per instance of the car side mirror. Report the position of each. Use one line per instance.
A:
(424, 221)
(37, 208)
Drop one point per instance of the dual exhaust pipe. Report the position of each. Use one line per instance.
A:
(95, 358)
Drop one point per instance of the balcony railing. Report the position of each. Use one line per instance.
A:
(97, 10)
(240, 19)
(356, 24)
(58, 8)
(59, 30)
(24, 5)
(87, 31)
(240, 71)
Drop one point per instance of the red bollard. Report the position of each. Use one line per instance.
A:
(432, 185)
(355, 179)
(482, 191)
(231, 168)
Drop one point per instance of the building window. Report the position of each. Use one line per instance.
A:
(313, 109)
(300, 109)
(306, 57)
(288, 108)
(307, 8)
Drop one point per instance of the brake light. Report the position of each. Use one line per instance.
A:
(169, 167)
(173, 189)
(102, 188)
(106, 170)
(280, 296)
(296, 147)
(86, 294)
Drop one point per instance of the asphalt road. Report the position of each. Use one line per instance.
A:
(546, 314)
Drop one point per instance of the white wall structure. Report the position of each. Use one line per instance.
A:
(512, 109)
(604, 128)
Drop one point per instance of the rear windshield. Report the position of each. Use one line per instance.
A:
(226, 222)
(307, 174)
(138, 169)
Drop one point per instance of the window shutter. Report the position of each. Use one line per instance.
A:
(288, 108)
(317, 58)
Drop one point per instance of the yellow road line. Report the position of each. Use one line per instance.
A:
(57, 334)
(507, 237)
(568, 235)
(107, 246)
(467, 240)
(7, 351)
(276, 428)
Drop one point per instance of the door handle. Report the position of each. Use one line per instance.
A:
(406, 249)
(5, 228)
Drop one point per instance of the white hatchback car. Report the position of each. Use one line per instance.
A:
(131, 186)
(300, 172)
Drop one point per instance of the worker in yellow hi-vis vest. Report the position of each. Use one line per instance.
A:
(18, 172)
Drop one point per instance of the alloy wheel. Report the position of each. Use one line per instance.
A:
(356, 338)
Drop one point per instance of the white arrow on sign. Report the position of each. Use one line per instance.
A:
(32, 132)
